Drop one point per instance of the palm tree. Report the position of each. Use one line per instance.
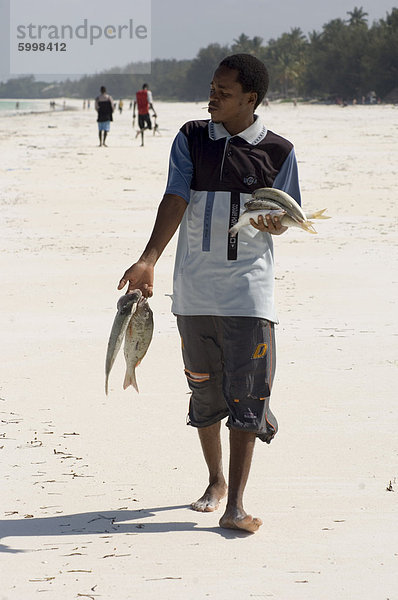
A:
(256, 44)
(246, 45)
(314, 36)
(286, 58)
(357, 17)
(241, 44)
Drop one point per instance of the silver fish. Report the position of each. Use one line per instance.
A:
(274, 202)
(279, 198)
(136, 342)
(126, 306)
(285, 219)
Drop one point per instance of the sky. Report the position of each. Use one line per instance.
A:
(179, 28)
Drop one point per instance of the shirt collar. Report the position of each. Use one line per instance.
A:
(254, 134)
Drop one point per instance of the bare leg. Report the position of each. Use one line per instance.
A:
(105, 134)
(100, 138)
(217, 488)
(241, 453)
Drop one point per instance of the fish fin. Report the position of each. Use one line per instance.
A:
(319, 214)
(233, 231)
(308, 226)
(130, 380)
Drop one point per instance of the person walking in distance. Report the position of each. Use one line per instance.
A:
(143, 102)
(104, 106)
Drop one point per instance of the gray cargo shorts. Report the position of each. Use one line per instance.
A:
(230, 366)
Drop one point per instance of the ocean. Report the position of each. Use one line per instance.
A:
(12, 107)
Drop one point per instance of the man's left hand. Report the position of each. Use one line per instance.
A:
(269, 224)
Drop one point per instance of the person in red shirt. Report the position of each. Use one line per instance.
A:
(143, 102)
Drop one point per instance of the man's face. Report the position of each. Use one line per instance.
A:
(227, 99)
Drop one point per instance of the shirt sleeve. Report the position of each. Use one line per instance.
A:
(180, 168)
(287, 179)
(149, 96)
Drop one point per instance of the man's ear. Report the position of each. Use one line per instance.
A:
(253, 98)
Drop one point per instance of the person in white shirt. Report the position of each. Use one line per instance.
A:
(223, 292)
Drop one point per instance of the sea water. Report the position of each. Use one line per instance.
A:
(11, 107)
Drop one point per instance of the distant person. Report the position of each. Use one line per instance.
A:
(144, 103)
(120, 106)
(104, 106)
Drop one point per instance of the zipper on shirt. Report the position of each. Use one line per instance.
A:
(223, 156)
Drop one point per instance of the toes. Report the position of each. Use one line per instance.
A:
(247, 523)
(205, 506)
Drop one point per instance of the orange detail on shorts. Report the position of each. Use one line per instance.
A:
(236, 399)
(270, 424)
(262, 398)
(197, 377)
(182, 343)
(260, 351)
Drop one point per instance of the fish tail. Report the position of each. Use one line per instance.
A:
(130, 379)
(318, 214)
(308, 226)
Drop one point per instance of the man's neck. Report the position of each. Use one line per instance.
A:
(234, 127)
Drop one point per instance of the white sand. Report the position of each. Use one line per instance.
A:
(95, 490)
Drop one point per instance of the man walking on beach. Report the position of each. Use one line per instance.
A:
(104, 106)
(144, 102)
(223, 291)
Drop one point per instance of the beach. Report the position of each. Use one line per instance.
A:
(96, 489)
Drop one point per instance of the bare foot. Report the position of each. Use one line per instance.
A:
(240, 520)
(210, 500)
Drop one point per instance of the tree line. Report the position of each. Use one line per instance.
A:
(348, 59)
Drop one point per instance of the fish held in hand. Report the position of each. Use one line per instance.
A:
(137, 339)
(274, 202)
(274, 198)
(126, 307)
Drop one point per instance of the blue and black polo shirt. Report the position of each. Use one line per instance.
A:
(216, 173)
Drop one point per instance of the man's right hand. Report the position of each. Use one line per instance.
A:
(138, 276)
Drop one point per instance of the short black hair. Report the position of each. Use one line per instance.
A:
(252, 73)
(103, 89)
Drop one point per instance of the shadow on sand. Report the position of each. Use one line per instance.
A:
(103, 522)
